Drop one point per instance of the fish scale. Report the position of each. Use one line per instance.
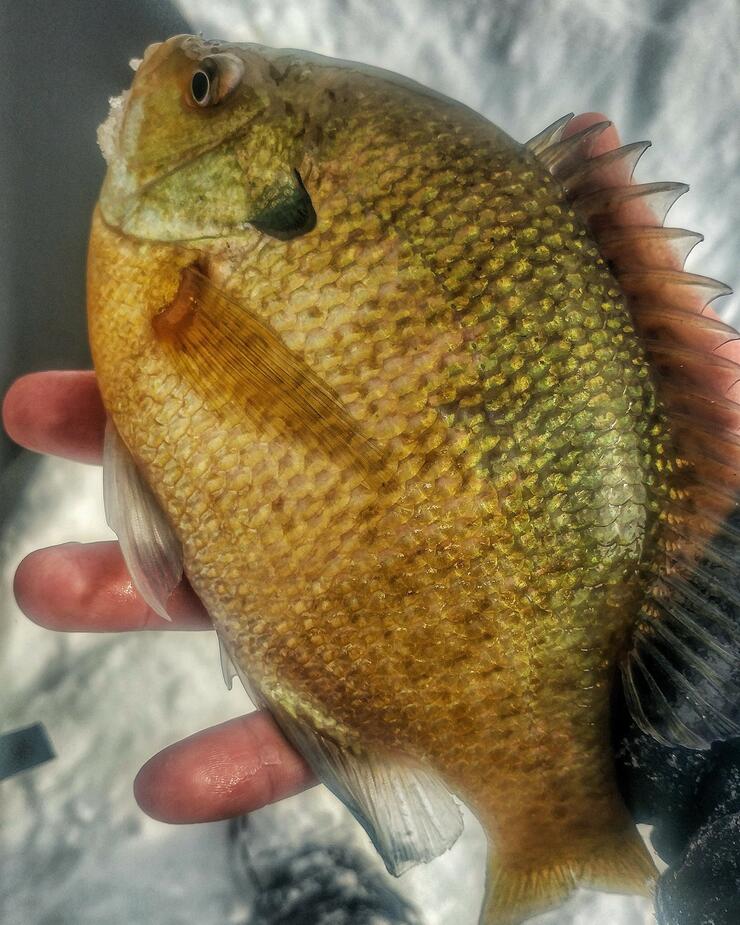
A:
(426, 536)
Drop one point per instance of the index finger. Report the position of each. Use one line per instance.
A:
(57, 412)
(230, 769)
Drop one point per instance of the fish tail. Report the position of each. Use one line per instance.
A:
(621, 864)
(515, 891)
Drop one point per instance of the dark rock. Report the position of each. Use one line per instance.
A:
(719, 793)
(704, 888)
(329, 886)
(659, 784)
(299, 881)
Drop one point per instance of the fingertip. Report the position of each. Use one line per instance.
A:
(59, 412)
(221, 772)
(206, 777)
(607, 141)
(39, 571)
(86, 587)
(14, 409)
(23, 587)
(149, 789)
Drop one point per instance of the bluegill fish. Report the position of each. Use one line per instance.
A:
(436, 432)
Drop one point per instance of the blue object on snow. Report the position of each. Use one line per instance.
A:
(23, 749)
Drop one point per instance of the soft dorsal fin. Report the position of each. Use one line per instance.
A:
(682, 675)
(243, 369)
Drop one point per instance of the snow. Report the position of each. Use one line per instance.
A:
(108, 130)
(75, 848)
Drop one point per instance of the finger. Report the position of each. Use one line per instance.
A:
(57, 412)
(224, 771)
(607, 141)
(86, 588)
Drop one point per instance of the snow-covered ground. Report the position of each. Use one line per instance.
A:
(74, 848)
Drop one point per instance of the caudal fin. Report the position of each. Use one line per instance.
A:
(515, 892)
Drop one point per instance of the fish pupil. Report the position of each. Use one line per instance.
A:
(200, 86)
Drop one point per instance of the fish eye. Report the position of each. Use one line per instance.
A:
(214, 79)
(200, 87)
(202, 83)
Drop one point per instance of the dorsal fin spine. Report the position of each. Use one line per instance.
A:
(687, 699)
(567, 155)
(629, 246)
(595, 173)
(550, 135)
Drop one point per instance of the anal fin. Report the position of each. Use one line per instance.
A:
(406, 809)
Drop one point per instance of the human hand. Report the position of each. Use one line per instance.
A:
(220, 772)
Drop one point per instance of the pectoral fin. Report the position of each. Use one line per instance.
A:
(150, 548)
(244, 369)
(228, 669)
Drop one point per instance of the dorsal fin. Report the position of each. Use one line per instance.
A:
(648, 246)
(550, 135)
(566, 156)
(682, 676)
(615, 206)
(606, 170)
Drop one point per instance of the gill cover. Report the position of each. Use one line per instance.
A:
(203, 145)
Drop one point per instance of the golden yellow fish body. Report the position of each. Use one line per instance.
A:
(464, 603)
